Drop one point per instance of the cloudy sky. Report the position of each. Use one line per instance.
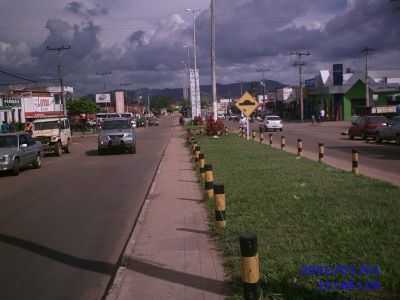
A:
(142, 41)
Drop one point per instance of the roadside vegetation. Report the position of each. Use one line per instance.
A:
(304, 213)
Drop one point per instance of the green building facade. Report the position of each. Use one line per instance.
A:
(342, 102)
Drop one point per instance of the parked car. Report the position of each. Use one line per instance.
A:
(366, 126)
(390, 132)
(54, 134)
(18, 150)
(272, 123)
(116, 133)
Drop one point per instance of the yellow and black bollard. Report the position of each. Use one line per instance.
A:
(209, 184)
(202, 163)
(283, 143)
(270, 139)
(253, 134)
(250, 267)
(355, 162)
(226, 130)
(299, 148)
(321, 152)
(220, 206)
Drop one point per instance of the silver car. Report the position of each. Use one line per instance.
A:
(116, 133)
(18, 150)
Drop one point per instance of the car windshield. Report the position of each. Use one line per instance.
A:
(8, 141)
(46, 125)
(116, 124)
(273, 119)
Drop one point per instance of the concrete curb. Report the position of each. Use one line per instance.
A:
(113, 289)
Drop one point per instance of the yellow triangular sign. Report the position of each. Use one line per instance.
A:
(247, 104)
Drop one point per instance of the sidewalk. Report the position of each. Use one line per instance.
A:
(172, 255)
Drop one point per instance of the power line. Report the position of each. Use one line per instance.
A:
(17, 76)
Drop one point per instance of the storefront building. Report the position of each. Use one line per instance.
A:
(343, 95)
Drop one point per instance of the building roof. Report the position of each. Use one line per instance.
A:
(378, 80)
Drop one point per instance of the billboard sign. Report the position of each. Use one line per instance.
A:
(103, 98)
(41, 106)
(195, 93)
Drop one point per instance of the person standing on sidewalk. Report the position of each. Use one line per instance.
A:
(322, 115)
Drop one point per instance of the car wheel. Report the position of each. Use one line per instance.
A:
(16, 167)
(281, 129)
(364, 137)
(351, 137)
(378, 139)
(100, 151)
(67, 148)
(58, 149)
(37, 163)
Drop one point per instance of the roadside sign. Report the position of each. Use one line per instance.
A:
(247, 104)
(103, 98)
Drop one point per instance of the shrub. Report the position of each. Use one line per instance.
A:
(215, 127)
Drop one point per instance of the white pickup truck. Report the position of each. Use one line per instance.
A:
(53, 133)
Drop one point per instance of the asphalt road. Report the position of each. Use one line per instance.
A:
(385, 158)
(63, 227)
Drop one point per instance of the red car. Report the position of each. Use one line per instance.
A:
(367, 126)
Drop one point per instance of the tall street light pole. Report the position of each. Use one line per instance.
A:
(213, 62)
(60, 75)
(300, 64)
(188, 66)
(194, 14)
(367, 51)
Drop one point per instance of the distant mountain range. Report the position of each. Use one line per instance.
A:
(233, 90)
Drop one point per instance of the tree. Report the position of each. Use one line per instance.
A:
(159, 102)
(81, 106)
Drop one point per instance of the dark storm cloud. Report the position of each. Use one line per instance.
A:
(84, 47)
(249, 33)
(80, 8)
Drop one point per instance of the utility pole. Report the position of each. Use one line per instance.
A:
(262, 71)
(300, 64)
(366, 51)
(213, 63)
(60, 75)
(196, 75)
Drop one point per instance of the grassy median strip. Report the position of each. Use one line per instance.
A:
(304, 213)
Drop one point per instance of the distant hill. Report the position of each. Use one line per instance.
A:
(232, 90)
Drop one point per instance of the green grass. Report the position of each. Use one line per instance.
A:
(304, 213)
